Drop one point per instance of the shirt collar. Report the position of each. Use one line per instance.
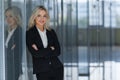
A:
(41, 31)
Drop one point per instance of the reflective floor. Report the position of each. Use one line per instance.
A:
(95, 63)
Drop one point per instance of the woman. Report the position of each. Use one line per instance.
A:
(43, 44)
(13, 43)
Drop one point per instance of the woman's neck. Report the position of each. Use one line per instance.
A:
(40, 27)
(13, 27)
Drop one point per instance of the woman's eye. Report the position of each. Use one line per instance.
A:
(8, 16)
(45, 16)
(39, 15)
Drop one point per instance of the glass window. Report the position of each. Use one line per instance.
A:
(2, 55)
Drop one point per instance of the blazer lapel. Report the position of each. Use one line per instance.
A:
(38, 37)
(49, 38)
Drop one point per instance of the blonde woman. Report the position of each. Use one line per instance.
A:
(13, 43)
(43, 44)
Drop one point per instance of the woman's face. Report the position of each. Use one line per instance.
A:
(10, 19)
(41, 18)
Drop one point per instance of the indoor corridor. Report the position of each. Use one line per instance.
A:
(88, 32)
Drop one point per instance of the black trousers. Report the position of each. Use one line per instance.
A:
(53, 74)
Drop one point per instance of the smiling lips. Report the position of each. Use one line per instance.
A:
(42, 22)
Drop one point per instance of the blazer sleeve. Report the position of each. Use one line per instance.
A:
(44, 52)
(55, 52)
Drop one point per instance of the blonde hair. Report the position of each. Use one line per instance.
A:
(16, 14)
(35, 13)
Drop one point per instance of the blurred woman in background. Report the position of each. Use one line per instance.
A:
(13, 43)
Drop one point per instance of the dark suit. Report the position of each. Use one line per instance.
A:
(45, 60)
(14, 56)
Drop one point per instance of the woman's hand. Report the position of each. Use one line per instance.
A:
(12, 48)
(52, 47)
(34, 47)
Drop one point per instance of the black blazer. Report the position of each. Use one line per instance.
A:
(44, 57)
(14, 56)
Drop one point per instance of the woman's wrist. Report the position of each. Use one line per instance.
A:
(52, 48)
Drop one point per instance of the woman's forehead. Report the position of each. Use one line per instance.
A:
(42, 11)
(8, 13)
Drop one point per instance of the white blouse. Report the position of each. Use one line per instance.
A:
(10, 33)
(43, 37)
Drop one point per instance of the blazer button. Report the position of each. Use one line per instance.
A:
(49, 62)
